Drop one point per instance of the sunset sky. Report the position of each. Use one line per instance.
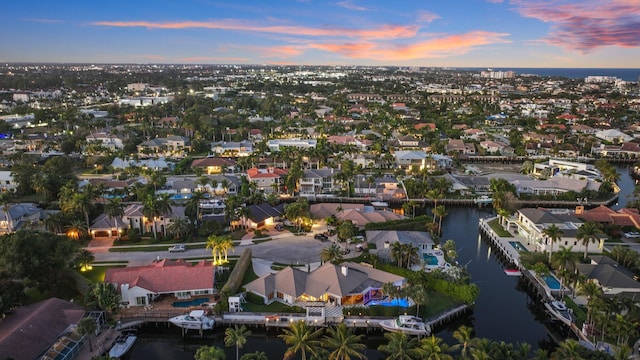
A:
(451, 33)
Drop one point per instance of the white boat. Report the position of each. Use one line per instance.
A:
(196, 319)
(122, 344)
(407, 324)
(560, 311)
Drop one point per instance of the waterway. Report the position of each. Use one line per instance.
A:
(504, 311)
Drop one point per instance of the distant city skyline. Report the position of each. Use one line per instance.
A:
(457, 33)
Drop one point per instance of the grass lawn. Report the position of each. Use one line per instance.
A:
(498, 229)
(155, 247)
(436, 304)
(274, 307)
(96, 274)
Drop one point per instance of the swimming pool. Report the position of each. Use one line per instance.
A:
(430, 259)
(552, 282)
(394, 302)
(194, 302)
(518, 246)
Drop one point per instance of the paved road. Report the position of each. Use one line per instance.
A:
(286, 250)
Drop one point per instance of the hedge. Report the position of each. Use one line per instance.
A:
(237, 274)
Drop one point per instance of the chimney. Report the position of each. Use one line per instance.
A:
(345, 270)
(579, 209)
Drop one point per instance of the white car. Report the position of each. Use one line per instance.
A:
(178, 248)
(632, 235)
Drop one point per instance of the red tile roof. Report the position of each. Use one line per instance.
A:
(164, 276)
(603, 214)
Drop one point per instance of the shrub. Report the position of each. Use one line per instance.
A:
(237, 274)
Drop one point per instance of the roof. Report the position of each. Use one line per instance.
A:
(29, 330)
(608, 275)
(328, 278)
(255, 173)
(164, 276)
(263, 211)
(357, 213)
(103, 222)
(603, 214)
(212, 161)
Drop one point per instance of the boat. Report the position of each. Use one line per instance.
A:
(512, 272)
(559, 310)
(406, 324)
(122, 345)
(196, 319)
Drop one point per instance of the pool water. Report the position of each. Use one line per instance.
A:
(430, 259)
(394, 302)
(552, 282)
(518, 246)
(194, 302)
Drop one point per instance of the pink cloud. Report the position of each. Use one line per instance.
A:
(427, 17)
(348, 4)
(380, 32)
(586, 25)
(198, 59)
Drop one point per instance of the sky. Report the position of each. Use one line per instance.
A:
(439, 33)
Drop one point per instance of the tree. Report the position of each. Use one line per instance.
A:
(343, 344)
(114, 209)
(179, 227)
(84, 259)
(396, 252)
(399, 346)
(154, 207)
(236, 336)
(588, 232)
(209, 353)
(103, 296)
(332, 254)
(297, 211)
(87, 326)
(346, 230)
(568, 350)
(419, 295)
(553, 234)
(301, 339)
(433, 348)
(258, 355)
(440, 211)
(464, 336)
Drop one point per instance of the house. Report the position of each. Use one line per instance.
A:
(345, 284)
(277, 144)
(232, 148)
(159, 164)
(19, 215)
(317, 182)
(613, 136)
(531, 223)
(269, 180)
(384, 187)
(7, 182)
(169, 146)
(359, 214)
(135, 218)
(262, 214)
(384, 238)
(105, 227)
(141, 285)
(613, 278)
(460, 147)
(108, 141)
(213, 165)
(604, 215)
(29, 331)
(493, 147)
(569, 169)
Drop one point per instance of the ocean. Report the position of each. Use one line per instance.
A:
(573, 73)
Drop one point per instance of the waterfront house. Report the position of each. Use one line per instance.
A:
(613, 278)
(269, 180)
(318, 182)
(262, 214)
(384, 187)
(141, 285)
(17, 215)
(135, 219)
(531, 223)
(627, 217)
(345, 284)
(33, 331)
(213, 165)
(359, 214)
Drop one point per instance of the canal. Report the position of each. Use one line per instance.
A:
(504, 311)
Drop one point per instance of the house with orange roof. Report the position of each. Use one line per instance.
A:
(141, 285)
(267, 180)
(604, 215)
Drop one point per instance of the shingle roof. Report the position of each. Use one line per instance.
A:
(608, 276)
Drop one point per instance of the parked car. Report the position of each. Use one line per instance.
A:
(178, 248)
(321, 237)
(632, 235)
(279, 227)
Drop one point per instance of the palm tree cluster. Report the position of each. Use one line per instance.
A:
(339, 342)
(404, 254)
(220, 245)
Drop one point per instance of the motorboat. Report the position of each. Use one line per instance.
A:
(559, 310)
(122, 345)
(512, 272)
(406, 324)
(196, 319)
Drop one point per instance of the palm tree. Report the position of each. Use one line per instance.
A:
(154, 207)
(225, 245)
(409, 253)
(4, 201)
(236, 336)
(592, 291)
(586, 233)
(564, 258)
(435, 195)
(179, 227)
(114, 209)
(84, 259)
(553, 233)
(464, 336)
(568, 350)
(87, 326)
(332, 254)
(301, 339)
(103, 296)
(433, 348)
(440, 211)
(213, 243)
(396, 252)
(390, 290)
(209, 353)
(419, 295)
(76, 230)
(399, 346)
(194, 203)
(343, 344)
